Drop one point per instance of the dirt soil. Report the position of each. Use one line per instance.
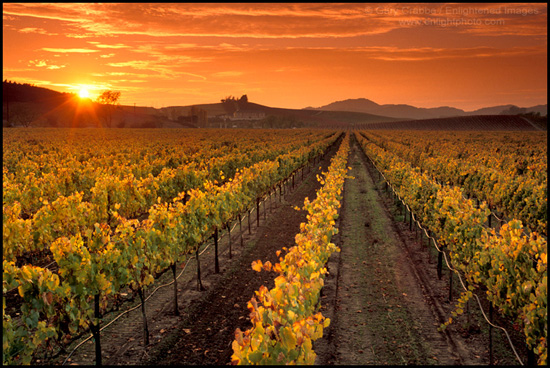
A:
(382, 293)
(204, 330)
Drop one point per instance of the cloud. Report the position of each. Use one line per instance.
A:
(80, 35)
(163, 70)
(65, 51)
(232, 73)
(121, 74)
(429, 53)
(44, 63)
(36, 30)
(286, 20)
(137, 64)
(390, 53)
(117, 46)
(9, 70)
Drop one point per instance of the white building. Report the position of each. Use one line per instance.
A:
(247, 115)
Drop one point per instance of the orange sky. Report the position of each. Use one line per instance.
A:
(283, 55)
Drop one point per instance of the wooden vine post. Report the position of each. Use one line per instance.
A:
(199, 283)
(176, 309)
(258, 212)
(241, 229)
(144, 315)
(216, 262)
(96, 330)
(228, 226)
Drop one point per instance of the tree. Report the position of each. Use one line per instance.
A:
(230, 105)
(108, 100)
(24, 114)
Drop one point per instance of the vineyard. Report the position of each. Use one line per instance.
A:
(433, 175)
(93, 219)
(461, 123)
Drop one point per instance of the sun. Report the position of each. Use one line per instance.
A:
(83, 93)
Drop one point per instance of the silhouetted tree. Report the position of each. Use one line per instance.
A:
(23, 114)
(230, 105)
(108, 101)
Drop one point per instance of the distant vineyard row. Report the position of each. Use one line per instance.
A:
(510, 265)
(59, 183)
(508, 171)
(285, 319)
(460, 123)
(99, 251)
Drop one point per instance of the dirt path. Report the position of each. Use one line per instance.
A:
(381, 310)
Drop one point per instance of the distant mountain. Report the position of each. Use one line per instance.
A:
(355, 104)
(541, 109)
(403, 111)
(514, 110)
(494, 110)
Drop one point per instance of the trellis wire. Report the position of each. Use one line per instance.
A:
(447, 261)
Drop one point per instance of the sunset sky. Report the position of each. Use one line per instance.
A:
(283, 55)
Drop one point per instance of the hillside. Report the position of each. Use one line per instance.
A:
(23, 92)
(311, 118)
(462, 123)
(27, 105)
(404, 111)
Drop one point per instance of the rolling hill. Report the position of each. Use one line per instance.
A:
(404, 111)
(313, 118)
(29, 105)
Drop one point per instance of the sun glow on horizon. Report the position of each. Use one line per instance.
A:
(83, 93)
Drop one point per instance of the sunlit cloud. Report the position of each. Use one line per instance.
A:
(118, 46)
(120, 74)
(428, 53)
(37, 31)
(285, 20)
(193, 75)
(137, 64)
(12, 70)
(82, 51)
(132, 80)
(232, 73)
(81, 35)
(45, 63)
(163, 70)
